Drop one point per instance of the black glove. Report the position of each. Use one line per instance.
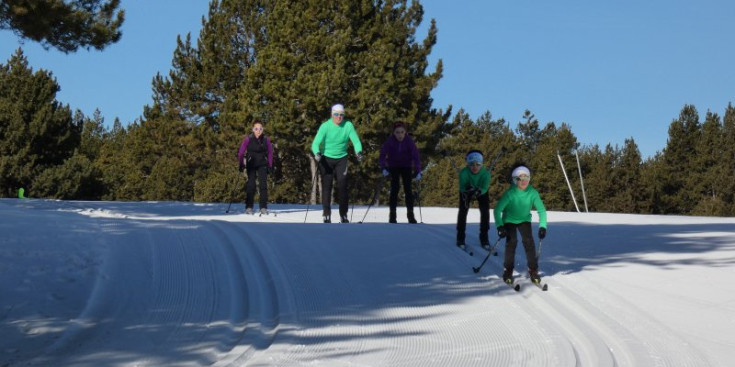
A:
(317, 157)
(474, 193)
(541, 233)
(359, 157)
(501, 232)
(241, 167)
(270, 170)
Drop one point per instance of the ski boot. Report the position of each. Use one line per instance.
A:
(263, 211)
(249, 211)
(327, 218)
(343, 219)
(392, 217)
(533, 274)
(411, 218)
(508, 275)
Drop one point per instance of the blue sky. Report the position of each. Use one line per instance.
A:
(611, 70)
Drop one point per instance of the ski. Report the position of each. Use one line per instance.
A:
(466, 249)
(516, 287)
(543, 286)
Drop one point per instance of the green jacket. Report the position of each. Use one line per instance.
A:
(515, 206)
(468, 180)
(331, 140)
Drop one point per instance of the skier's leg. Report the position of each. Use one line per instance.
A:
(263, 180)
(529, 245)
(461, 220)
(340, 172)
(484, 204)
(327, 176)
(250, 188)
(510, 246)
(393, 197)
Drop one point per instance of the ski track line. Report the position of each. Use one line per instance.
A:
(157, 301)
(258, 303)
(647, 341)
(514, 343)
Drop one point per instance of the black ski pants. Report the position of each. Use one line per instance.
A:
(331, 168)
(396, 175)
(262, 177)
(525, 230)
(483, 202)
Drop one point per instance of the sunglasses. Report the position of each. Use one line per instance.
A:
(475, 164)
(521, 178)
(338, 114)
(257, 128)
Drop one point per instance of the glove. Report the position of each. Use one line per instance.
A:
(501, 232)
(270, 170)
(317, 157)
(474, 193)
(541, 233)
(417, 177)
(359, 157)
(385, 172)
(241, 167)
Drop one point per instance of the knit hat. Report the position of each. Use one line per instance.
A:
(474, 157)
(521, 170)
(338, 108)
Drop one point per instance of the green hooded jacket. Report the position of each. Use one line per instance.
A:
(468, 180)
(331, 140)
(515, 206)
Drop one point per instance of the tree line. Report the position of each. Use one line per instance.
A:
(285, 63)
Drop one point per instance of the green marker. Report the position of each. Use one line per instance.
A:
(21, 193)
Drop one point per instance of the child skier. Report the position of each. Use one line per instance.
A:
(513, 215)
(474, 181)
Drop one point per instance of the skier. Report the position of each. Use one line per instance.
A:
(513, 214)
(474, 181)
(330, 152)
(256, 157)
(397, 158)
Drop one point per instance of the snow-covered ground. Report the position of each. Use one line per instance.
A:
(162, 283)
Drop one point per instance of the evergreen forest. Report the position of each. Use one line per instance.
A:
(285, 63)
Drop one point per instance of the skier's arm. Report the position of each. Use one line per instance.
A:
(355, 140)
(243, 149)
(270, 152)
(541, 209)
(498, 211)
(316, 144)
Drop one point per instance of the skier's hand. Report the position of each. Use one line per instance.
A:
(317, 157)
(359, 157)
(474, 193)
(385, 172)
(501, 232)
(541, 233)
(270, 170)
(417, 177)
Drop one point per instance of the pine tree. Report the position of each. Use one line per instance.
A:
(36, 131)
(677, 196)
(64, 24)
(706, 183)
(727, 162)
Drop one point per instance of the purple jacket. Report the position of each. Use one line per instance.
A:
(259, 152)
(396, 154)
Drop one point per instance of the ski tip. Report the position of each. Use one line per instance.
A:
(545, 287)
(517, 287)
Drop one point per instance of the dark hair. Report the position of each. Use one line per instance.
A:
(398, 124)
(255, 122)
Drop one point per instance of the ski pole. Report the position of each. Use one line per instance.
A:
(378, 188)
(492, 250)
(538, 252)
(232, 198)
(308, 202)
(492, 165)
(418, 197)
